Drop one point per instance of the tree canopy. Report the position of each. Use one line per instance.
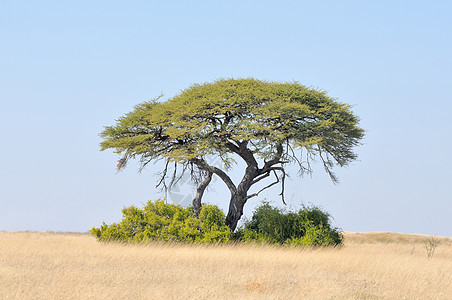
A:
(266, 124)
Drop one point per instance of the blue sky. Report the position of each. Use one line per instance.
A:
(69, 68)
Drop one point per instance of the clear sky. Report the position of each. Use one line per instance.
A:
(69, 68)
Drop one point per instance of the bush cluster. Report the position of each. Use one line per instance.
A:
(167, 222)
(309, 226)
(159, 221)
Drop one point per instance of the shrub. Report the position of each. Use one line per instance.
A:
(159, 221)
(309, 226)
(166, 222)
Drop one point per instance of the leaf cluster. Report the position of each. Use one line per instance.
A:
(159, 221)
(217, 118)
(310, 226)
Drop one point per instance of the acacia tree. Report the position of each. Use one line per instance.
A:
(266, 124)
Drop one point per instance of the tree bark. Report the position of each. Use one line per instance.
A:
(199, 193)
(239, 197)
(235, 210)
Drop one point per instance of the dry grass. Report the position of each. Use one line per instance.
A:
(75, 266)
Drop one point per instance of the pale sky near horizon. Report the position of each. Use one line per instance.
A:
(69, 68)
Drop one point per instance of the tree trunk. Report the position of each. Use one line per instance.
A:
(199, 192)
(239, 197)
(235, 210)
(238, 194)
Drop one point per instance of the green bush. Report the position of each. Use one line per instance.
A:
(159, 221)
(309, 226)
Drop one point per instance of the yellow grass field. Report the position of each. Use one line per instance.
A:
(76, 266)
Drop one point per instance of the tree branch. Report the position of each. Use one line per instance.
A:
(268, 186)
(257, 179)
(283, 180)
(199, 193)
(327, 164)
(163, 174)
(275, 160)
(220, 173)
(243, 152)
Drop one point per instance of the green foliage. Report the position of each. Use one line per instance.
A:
(205, 118)
(159, 221)
(266, 124)
(307, 227)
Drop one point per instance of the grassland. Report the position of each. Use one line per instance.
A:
(75, 266)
